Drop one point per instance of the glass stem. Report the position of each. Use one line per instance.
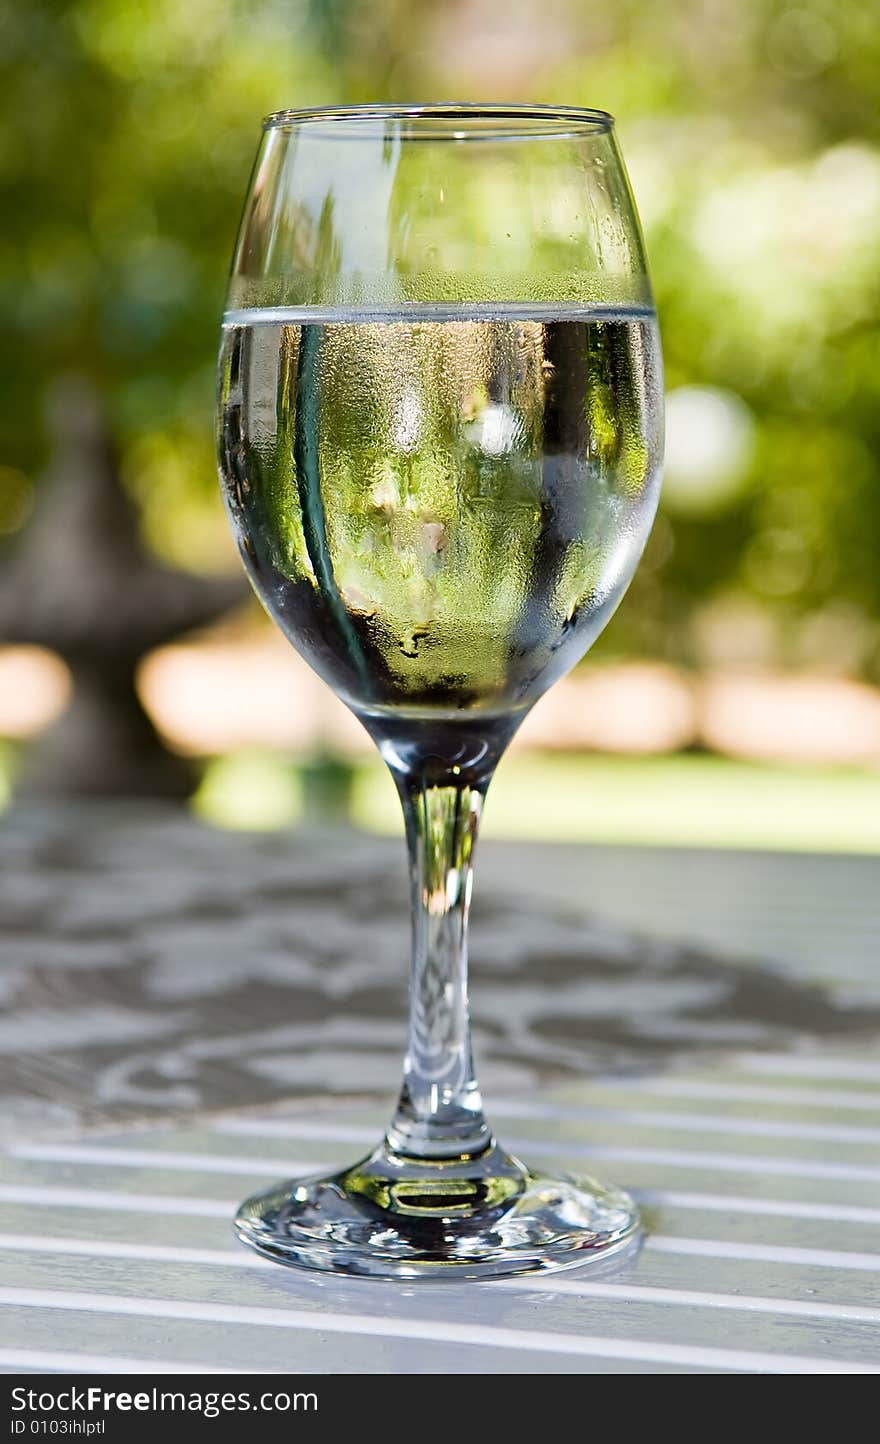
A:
(440, 1113)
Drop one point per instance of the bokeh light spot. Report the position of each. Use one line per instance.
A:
(710, 443)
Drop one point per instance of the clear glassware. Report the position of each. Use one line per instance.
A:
(440, 437)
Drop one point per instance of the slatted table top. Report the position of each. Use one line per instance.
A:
(744, 1112)
(759, 1182)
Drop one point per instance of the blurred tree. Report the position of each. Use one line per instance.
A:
(101, 604)
(121, 176)
(753, 138)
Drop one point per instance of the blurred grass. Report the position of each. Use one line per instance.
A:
(249, 790)
(685, 801)
(689, 800)
(7, 769)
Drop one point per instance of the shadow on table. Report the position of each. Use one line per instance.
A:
(151, 967)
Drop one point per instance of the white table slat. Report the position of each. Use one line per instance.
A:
(762, 1251)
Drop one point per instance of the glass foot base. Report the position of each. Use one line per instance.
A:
(395, 1218)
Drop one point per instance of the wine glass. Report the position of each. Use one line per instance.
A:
(440, 437)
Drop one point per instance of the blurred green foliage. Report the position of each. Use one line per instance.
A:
(752, 134)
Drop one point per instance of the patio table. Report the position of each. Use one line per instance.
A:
(189, 1014)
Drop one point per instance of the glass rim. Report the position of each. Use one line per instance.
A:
(476, 121)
